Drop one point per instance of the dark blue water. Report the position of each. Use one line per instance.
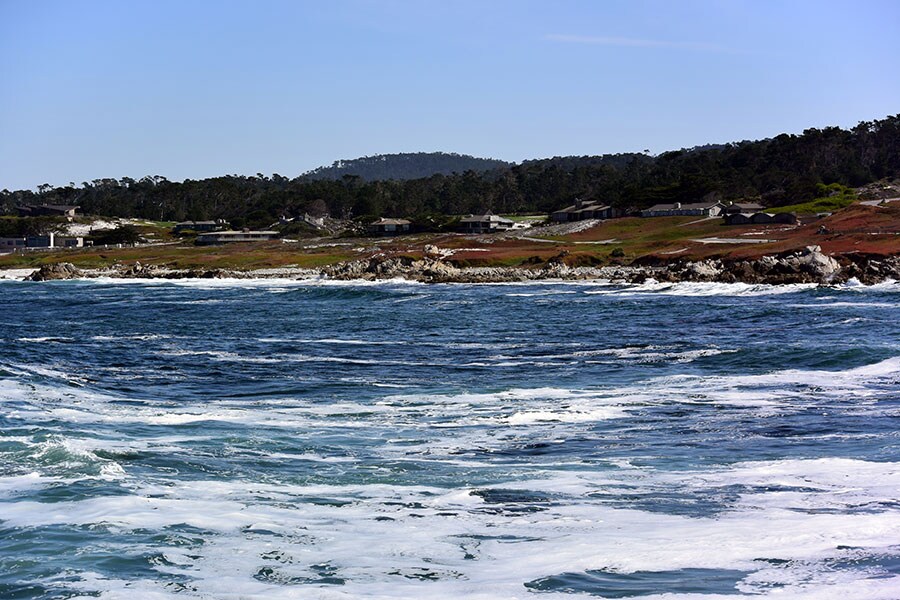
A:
(275, 439)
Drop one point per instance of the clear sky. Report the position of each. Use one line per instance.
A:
(193, 89)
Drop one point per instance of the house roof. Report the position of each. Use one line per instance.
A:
(748, 205)
(693, 206)
(488, 218)
(592, 206)
(234, 233)
(384, 221)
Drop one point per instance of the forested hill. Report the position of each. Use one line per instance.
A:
(417, 165)
(779, 171)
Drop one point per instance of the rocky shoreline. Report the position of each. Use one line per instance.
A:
(807, 266)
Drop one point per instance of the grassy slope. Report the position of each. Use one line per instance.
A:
(233, 256)
(819, 205)
(857, 228)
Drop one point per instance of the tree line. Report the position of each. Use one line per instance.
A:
(777, 171)
(412, 165)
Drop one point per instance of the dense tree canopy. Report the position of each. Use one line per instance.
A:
(782, 170)
(414, 165)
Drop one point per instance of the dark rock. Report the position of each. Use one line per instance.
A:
(55, 272)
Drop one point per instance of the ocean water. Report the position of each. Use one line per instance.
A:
(279, 439)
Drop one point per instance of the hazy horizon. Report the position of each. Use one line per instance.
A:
(98, 89)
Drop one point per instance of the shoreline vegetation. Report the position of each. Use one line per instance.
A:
(861, 242)
(808, 265)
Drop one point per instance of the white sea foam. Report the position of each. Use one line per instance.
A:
(833, 483)
(778, 386)
(31, 370)
(136, 337)
(396, 281)
(16, 484)
(847, 305)
(15, 274)
(597, 286)
(854, 285)
(693, 288)
(222, 356)
(702, 289)
(202, 284)
(219, 355)
(645, 354)
(465, 545)
(463, 541)
(540, 294)
(350, 342)
(777, 392)
(566, 416)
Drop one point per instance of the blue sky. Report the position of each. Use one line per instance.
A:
(193, 89)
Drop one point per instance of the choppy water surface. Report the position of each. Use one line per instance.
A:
(275, 439)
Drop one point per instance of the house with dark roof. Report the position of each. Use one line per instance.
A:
(760, 218)
(389, 227)
(585, 209)
(738, 218)
(199, 226)
(697, 209)
(11, 244)
(486, 223)
(50, 240)
(767, 218)
(743, 207)
(228, 237)
(41, 241)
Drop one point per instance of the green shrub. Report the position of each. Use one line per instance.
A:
(832, 197)
(123, 234)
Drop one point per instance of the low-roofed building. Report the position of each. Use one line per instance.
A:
(743, 207)
(47, 240)
(11, 244)
(738, 218)
(786, 218)
(585, 209)
(389, 226)
(760, 218)
(486, 223)
(41, 241)
(69, 241)
(198, 226)
(697, 209)
(226, 237)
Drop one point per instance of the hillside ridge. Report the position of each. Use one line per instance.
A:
(404, 166)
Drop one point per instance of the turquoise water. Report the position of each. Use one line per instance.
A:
(283, 439)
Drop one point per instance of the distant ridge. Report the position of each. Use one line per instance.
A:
(411, 165)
